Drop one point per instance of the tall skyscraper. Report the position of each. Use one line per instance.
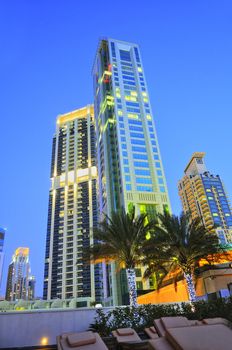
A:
(203, 194)
(31, 287)
(2, 237)
(18, 276)
(130, 169)
(72, 211)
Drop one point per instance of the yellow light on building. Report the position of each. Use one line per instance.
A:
(134, 93)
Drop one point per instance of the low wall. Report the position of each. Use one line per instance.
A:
(31, 328)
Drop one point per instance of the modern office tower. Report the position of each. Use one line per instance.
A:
(18, 276)
(31, 287)
(2, 237)
(203, 194)
(72, 211)
(130, 169)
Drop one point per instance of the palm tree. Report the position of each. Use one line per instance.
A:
(176, 248)
(120, 238)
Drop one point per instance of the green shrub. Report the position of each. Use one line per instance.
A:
(144, 315)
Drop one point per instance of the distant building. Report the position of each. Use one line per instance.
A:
(72, 211)
(2, 237)
(18, 279)
(203, 194)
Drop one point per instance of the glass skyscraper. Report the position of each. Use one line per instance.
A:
(18, 286)
(72, 211)
(203, 194)
(130, 169)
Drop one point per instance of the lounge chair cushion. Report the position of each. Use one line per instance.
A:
(62, 344)
(151, 332)
(205, 337)
(195, 323)
(126, 334)
(216, 320)
(174, 322)
(80, 339)
(125, 331)
(159, 344)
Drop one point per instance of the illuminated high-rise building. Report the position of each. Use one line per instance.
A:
(203, 195)
(2, 237)
(18, 276)
(130, 169)
(72, 211)
(31, 287)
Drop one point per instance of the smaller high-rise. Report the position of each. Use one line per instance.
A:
(18, 279)
(72, 211)
(203, 194)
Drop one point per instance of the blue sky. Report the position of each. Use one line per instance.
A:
(47, 52)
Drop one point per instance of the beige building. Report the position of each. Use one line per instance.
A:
(203, 195)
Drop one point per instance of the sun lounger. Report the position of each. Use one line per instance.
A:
(159, 344)
(205, 337)
(126, 335)
(151, 332)
(80, 341)
(215, 320)
(208, 337)
(161, 324)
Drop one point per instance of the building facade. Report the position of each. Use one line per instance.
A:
(72, 211)
(130, 169)
(203, 195)
(2, 237)
(18, 276)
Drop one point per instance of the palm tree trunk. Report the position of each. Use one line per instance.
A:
(131, 279)
(191, 288)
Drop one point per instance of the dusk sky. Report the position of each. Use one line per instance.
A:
(47, 51)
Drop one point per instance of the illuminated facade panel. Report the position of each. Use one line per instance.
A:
(72, 211)
(203, 195)
(130, 168)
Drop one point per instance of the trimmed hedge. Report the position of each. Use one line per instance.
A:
(143, 316)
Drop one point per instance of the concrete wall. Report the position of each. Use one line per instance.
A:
(30, 328)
